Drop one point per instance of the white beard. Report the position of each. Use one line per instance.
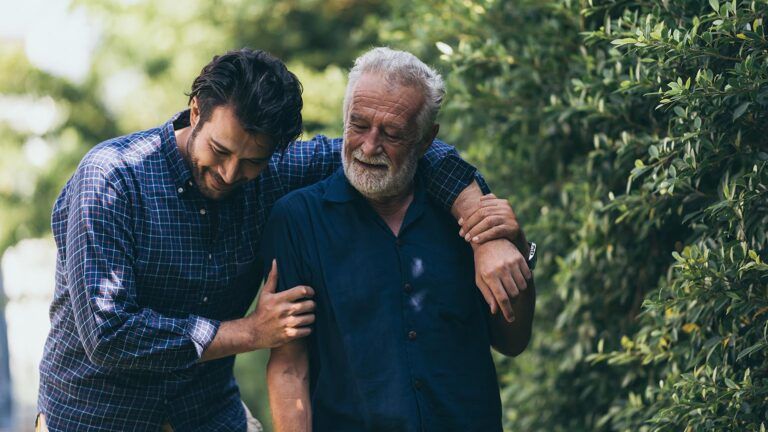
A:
(378, 184)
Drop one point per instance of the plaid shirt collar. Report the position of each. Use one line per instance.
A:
(182, 176)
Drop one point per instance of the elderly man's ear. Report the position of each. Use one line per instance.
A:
(428, 140)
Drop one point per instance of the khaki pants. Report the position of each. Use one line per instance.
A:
(253, 424)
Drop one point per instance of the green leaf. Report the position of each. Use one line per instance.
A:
(715, 5)
(740, 110)
(625, 41)
(653, 151)
(756, 347)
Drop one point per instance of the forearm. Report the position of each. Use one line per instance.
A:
(511, 338)
(288, 386)
(144, 340)
(469, 201)
(232, 338)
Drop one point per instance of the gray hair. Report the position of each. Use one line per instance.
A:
(405, 69)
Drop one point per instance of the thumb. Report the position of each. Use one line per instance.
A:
(271, 285)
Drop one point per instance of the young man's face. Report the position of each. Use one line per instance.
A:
(221, 154)
(381, 147)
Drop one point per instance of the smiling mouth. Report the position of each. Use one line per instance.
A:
(219, 185)
(372, 166)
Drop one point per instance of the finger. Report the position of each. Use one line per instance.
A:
(297, 293)
(501, 296)
(498, 204)
(292, 333)
(483, 226)
(488, 197)
(517, 275)
(510, 286)
(302, 307)
(473, 219)
(526, 271)
(495, 233)
(486, 292)
(302, 320)
(271, 285)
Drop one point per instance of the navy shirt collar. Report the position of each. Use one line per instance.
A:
(339, 190)
(180, 172)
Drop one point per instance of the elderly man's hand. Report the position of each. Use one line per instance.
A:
(493, 219)
(501, 273)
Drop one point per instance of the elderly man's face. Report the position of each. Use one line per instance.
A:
(381, 142)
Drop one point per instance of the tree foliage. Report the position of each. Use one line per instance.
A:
(629, 135)
(631, 138)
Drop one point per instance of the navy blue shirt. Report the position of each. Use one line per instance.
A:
(146, 270)
(401, 341)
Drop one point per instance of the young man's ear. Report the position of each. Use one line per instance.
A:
(194, 112)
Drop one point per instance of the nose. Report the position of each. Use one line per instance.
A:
(372, 143)
(230, 171)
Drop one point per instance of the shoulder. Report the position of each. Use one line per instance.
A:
(314, 145)
(118, 159)
(318, 141)
(301, 201)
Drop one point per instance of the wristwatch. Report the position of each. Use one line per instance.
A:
(531, 255)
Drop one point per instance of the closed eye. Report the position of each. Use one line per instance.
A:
(218, 150)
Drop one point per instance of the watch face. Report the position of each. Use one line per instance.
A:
(531, 251)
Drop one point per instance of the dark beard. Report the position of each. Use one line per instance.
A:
(192, 162)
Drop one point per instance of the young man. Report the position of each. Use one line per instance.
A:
(157, 235)
(402, 337)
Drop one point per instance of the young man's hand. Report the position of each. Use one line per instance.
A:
(280, 317)
(493, 219)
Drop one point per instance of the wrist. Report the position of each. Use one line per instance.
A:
(245, 335)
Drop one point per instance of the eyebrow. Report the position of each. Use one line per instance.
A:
(388, 127)
(223, 147)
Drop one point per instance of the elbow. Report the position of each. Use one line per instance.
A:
(281, 369)
(513, 347)
(100, 352)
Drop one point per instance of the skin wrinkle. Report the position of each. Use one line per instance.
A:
(378, 131)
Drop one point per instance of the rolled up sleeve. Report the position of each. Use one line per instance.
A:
(448, 174)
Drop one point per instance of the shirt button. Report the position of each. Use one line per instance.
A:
(408, 288)
(202, 211)
(205, 299)
(399, 242)
(417, 384)
(210, 256)
(411, 335)
(181, 190)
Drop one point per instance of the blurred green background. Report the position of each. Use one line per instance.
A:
(630, 137)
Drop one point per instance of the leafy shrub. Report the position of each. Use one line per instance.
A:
(631, 138)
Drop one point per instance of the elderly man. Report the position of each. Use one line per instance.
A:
(402, 338)
(157, 235)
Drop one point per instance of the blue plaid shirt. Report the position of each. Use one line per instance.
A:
(146, 270)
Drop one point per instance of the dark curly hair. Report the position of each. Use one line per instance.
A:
(264, 94)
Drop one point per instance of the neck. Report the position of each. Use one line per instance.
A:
(393, 209)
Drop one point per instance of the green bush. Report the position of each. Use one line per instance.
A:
(631, 138)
